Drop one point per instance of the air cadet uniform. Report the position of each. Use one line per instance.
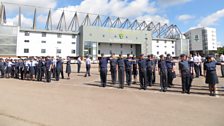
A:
(21, 69)
(58, 69)
(16, 69)
(2, 67)
(9, 68)
(185, 75)
(121, 65)
(39, 70)
(150, 67)
(79, 62)
(48, 70)
(32, 69)
(142, 73)
(170, 71)
(68, 68)
(163, 74)
(113, 70)
(103, 70)
(128, 70)
(211, 76)
(135, 70)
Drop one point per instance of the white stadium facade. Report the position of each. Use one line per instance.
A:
(87, 34)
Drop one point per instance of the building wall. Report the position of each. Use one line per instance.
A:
(163, 47)
(123, 49)
(202, 39)
(8, 40)
(51, 43)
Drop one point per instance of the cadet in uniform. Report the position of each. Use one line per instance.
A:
(58, 68)
(103, 70)
(121, 65)
(170, 70)
(128, 69)
(48, 64)
(16, 69)
(135, 69)
(21, 68)
(79, 62)
(185, 72)
(150, 67)
(39, 69)
(142, 72)
(62, 68)
(210, 74)
(162, 68)
(2, 67)
(9, 68)
(68, 67)
(222, 66)
(113, 68)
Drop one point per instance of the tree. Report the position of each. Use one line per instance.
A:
(220, 50)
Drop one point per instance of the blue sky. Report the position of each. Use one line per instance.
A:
(185, 14)
(198, 9)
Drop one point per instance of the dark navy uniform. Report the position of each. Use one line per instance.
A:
(185, 71)
(121, 65)
(135, 70)
(170, 72)
(58, 69)
(39, 70)
(48, 64)
(150, 68)
(113, 70)
(21, 69)
(211, 76)
(128, 70)
(32, 69)
(2, 67)
(103, 71)
(142, 73)
(163, 75)
(16, 70)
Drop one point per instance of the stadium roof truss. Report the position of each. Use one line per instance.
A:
(158, 30)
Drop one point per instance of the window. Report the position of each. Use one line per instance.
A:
(58, 42)
(165, 42)
(165, 53)
(27, 33)
(172, 46)
(131, 52)
(43, 41)
(172, 42)
(164, 46)
(26, 50)
(157, 46)
(103, 36)
(157, 41)
(121, 45)
(110, 44)
(196, 37)
(73, 36)
(73, 51)
(44, 34)
(110, 51)
(43, 50)
(59, 35)
(98, 51)
(131, 46)
(98, 44)
(59, 51)
(121, 52)
(172, 53)
(73, 43)
(157, 52)
(27, 41)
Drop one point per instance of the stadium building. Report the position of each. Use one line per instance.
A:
(87, 34)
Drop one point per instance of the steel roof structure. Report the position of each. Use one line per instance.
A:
(158, 30)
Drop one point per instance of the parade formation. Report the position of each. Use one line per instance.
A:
(121, 69)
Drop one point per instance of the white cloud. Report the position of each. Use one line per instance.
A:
(212, 19)
(136, 9)
(185, 17)
(166, 3)
(26, 22)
